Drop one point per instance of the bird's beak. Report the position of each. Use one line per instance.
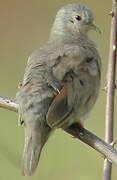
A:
(96, 28)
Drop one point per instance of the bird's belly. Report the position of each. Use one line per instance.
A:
(86, 92)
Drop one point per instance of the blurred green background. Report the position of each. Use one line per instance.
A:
(24, 26)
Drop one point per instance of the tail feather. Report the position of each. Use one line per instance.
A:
(32, 150)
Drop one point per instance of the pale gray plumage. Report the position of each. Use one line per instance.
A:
(68, 64)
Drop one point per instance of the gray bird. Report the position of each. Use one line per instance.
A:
(61, 81)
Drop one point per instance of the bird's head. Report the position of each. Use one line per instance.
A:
(73, 19)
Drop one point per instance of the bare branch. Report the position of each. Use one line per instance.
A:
(75, 130)
(8, 103)
(95, 142)
(111, 87)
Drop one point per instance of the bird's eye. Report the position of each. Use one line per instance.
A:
(78, 18)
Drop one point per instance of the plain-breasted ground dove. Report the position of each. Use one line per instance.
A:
(61, 81)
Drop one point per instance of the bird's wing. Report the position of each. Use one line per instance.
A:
(61, 106)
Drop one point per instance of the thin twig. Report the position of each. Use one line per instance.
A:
(77, 131)
(111, 88)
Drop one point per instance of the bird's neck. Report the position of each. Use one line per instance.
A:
(67, 36)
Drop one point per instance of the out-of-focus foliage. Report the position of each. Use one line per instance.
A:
(24, 26)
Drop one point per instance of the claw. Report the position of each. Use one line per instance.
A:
(113, 143)
(55, 86)
(56, 89)
(19, 85)
(20, 121)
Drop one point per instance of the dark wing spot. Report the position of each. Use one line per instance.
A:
(89, 59)
(69, 76)
(81, 82)
(31, 105)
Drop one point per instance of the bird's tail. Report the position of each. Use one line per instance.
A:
(32, 149)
